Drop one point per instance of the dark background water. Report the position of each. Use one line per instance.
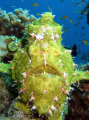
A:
(73, 33)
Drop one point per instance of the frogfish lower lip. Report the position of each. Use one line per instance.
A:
(42, 69)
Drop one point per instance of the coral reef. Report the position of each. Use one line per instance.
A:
(12, 27)
(43, 70)
(17, 118)
(78, 107)
(6, 53)
(83, 67)
(14, 24)
(5, 96)
(3, 48)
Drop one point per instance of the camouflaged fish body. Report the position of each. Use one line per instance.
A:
(44, 73)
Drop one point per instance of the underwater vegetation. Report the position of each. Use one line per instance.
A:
(42, 69)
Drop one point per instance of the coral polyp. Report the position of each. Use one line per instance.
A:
(44, 70)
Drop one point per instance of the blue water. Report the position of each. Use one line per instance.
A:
(74, 34)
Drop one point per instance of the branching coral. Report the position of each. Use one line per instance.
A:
(14, 24)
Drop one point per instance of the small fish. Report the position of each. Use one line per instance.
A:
(64, 17)
(35, 4)
(65, 30)
(80, 17)
(75, 32)
(76, 24)
(49, 8)
(84, 56)
(85, 42)
(82, 3)
(77, 4)
(83, 27)
(62, 1)
(83, 34)
(12, 6)
(70, 20)
(83, 0)
(38, 14)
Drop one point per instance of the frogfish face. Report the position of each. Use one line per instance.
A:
(47, 78)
